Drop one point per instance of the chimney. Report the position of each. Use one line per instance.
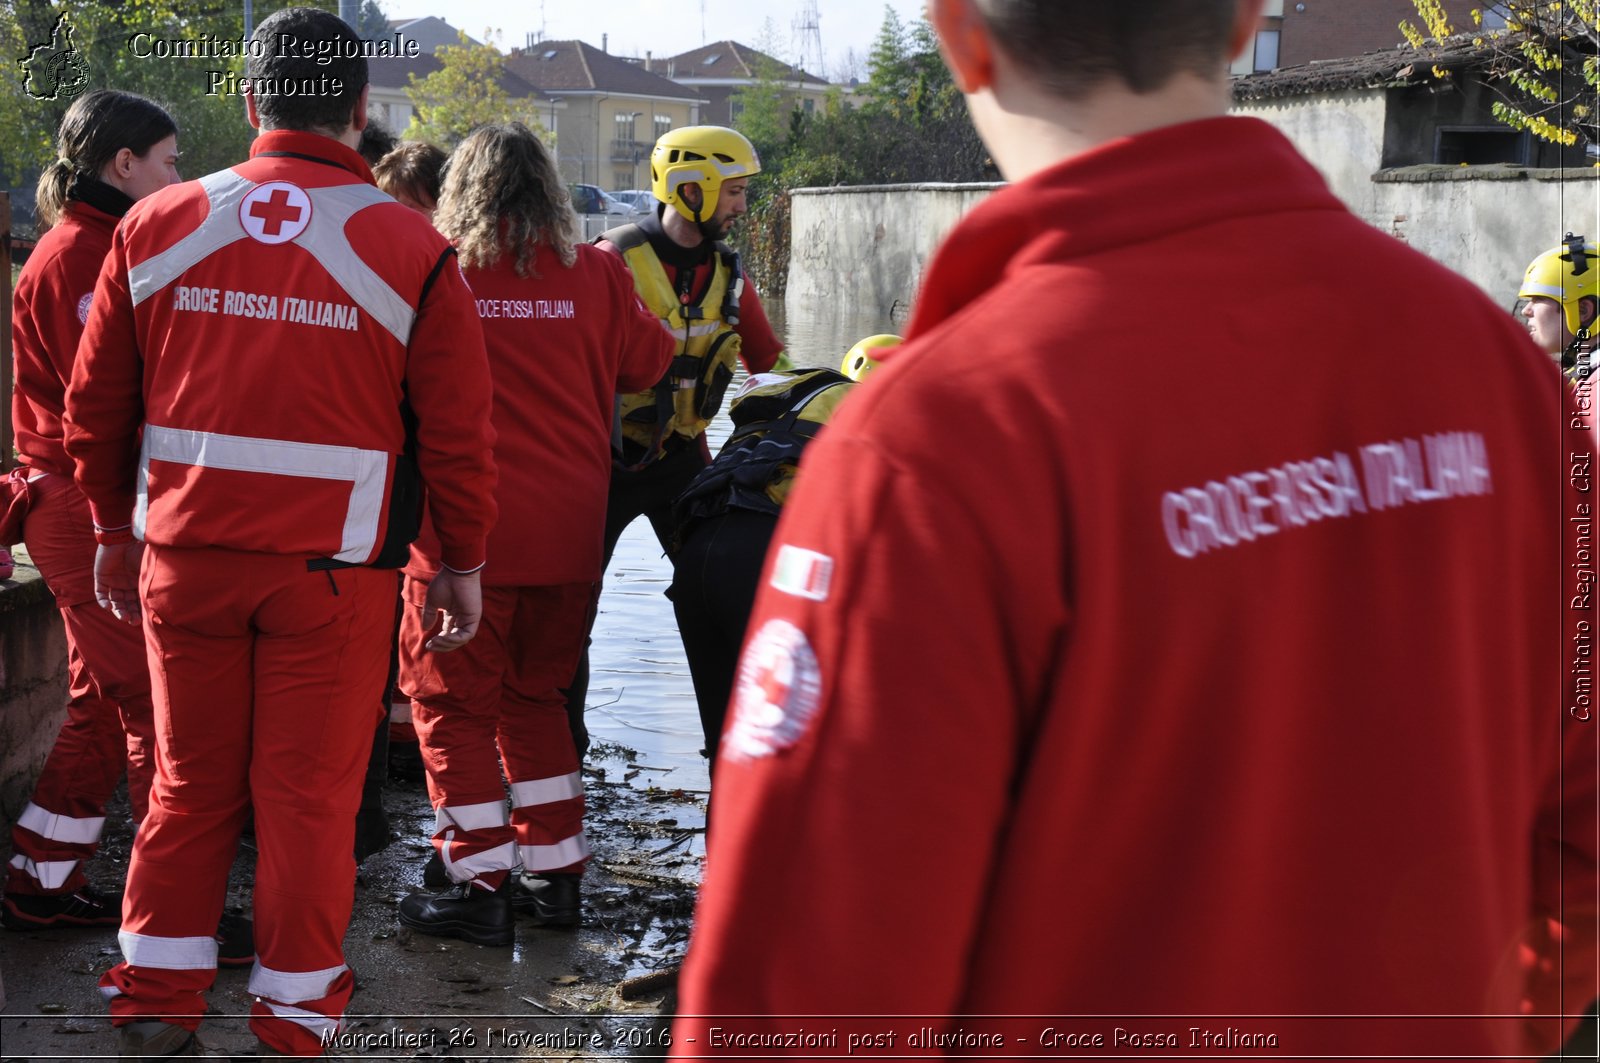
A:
(647, 61)
(605, 43)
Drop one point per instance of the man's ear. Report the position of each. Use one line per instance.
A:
(251, 115)
(1588, 305)
(358, 117)
(692, 195)
(965, 43)
(1246, 21)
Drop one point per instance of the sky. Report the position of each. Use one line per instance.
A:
(668, 27)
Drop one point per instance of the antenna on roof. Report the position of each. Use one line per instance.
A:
(808, 34)
(702, 21)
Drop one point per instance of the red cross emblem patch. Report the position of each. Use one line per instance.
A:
(776, 694)
(276, 212)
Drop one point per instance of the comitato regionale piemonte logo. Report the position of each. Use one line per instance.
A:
(55, 70)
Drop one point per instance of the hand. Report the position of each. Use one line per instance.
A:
(460, 598)
(116, 580)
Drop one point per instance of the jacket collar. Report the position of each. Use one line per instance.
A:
(1118, 195)
(77, 212)
(102, 197)
(312, 146)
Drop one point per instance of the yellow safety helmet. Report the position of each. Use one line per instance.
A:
(706, 155)
(1566, 274)
(858, 362)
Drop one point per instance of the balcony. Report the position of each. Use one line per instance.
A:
(629, 151)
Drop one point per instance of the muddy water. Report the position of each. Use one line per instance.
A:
(640, 695)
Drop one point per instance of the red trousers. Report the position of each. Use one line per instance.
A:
(109, 724)
(497, 701)
(267, 679)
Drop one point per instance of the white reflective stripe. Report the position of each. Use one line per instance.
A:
(500, 858)
(49, 874)
(109, 991)
(366, 509)
(331, 209)
(1549, 290)
(293, 987)
(470, 817)
(141, 498)
(59, 828)
(168, 954)
(545, 791)
(366, 471)
(704, 329)
(548, 857)
(318, 1024)
(224, 190)
(399, 712)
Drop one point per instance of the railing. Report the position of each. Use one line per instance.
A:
(629, 150)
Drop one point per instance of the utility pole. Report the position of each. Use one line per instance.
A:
(350, 11)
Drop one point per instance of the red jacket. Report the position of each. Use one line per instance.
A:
(1093, 679)
(48, 311)
(561, 345)
(265, 326)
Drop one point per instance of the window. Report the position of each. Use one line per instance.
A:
(735, 109)
(1455, 145)
(809, 106)
(1494, 16)
(1267, 50)
(663, 125)
(625, 126)
(621, 178)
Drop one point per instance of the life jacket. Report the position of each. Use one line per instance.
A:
(685, 400)
(775, 415)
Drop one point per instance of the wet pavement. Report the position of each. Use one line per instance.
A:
(593, 991)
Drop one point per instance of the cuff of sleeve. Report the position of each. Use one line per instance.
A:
(113, 536)
(464, 560)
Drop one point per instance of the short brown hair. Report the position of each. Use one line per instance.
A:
(413, 168)
(1071, 46)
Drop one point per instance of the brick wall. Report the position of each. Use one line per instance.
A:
(1331, 29)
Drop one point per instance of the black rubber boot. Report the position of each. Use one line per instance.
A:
(551, 899)
(480, 916)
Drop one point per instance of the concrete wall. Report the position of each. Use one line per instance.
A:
(1485, 222)
(33, 684)
(867, 248)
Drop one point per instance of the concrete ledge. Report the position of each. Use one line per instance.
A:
(33, 683)
(1499, 171)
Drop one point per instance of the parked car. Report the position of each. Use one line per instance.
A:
(591, 199)
(642, 200)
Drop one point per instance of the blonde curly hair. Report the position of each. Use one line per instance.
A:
(502, 195)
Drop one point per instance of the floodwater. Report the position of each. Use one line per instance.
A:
(639, 694)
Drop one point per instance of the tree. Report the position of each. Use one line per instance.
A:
(764, 106)
(465, 92)
(1543, 63)
(212, 131)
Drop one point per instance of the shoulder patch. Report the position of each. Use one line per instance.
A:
(83, 308)
(776, 694)
(802, 573)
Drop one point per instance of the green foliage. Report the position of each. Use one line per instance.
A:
(1529, 62)
(464, 93)
(212, 131)
(911, 125)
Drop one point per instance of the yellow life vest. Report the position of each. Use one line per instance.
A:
(685, 400)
